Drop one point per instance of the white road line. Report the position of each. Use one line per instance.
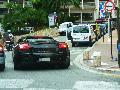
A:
(96, 85)
(76, 50)
(15, 83)
(38, 89)
(76, 53)
(44, 89)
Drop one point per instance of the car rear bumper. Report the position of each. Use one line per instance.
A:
(40, 58)
(81, 41)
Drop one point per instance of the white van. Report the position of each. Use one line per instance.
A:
(82, 33)
(66, 26)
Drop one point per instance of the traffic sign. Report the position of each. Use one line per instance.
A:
(109, 6)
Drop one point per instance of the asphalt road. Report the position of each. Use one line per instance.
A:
(72, 78)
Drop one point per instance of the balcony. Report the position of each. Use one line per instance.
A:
(2, 4)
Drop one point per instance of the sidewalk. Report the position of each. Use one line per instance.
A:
(107, 63)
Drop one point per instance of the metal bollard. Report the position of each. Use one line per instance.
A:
(86, 55)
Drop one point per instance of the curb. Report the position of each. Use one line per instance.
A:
(79, 63)
(106, 72)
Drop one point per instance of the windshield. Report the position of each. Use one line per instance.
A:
(40, 40)
(81, 29)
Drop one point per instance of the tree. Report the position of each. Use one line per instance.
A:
(59, 6)
(19, 16)
(36, 16)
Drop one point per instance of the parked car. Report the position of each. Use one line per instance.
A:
(27, 30)
(2, 58)
(39, 50)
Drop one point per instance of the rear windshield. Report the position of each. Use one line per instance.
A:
(36, 41)
(33, 39)
(81, 29)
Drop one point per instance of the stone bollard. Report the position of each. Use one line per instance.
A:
(97, 59)
(86, 55)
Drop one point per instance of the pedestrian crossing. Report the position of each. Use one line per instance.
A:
(15, 83)
(96, 85)
(26, 84)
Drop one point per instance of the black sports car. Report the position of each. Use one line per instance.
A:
(39, 50)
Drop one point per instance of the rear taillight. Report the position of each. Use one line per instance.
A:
(24, 47)
(63, 45)
(1, 49)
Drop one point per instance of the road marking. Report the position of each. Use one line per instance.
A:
(76, 51)
(38, 89)
(15, 83)
(44, 89)
(96, 85)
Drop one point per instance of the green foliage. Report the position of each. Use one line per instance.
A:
(19, 16)
(36, 16)
(59, 6)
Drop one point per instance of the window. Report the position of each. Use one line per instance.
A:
(81, 29)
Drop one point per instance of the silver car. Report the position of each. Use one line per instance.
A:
(2, 58)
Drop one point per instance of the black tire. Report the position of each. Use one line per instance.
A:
(96, 39)
(13, 58)
(91, 44)
(2, 67)
(66, 64)
(16, 66)
(73, 44)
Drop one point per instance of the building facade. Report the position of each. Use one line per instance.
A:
(88, 10)
(4, 10)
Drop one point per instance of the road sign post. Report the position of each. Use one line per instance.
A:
(109, 7)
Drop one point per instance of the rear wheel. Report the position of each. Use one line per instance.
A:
(16, 66)
(2, 67)
(66, 64)
(73, 44)
(90, 44)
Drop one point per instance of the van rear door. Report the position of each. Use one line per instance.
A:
(81, 33)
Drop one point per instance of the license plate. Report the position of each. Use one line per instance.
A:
(44, 59)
